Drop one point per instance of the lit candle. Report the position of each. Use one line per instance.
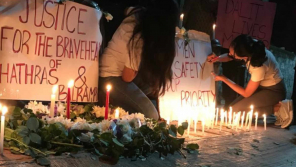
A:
(168, 121)
(243, 117)
(181, 20)
(264, 119)
(230, 115)
(107, 101)
(225, 115)
(203, 125)
(247, 120)
(238, 119)
(70, 85)
(214, 29)
(4, 110)
(116, 114)
(251, 117)
(52, 100)
(256, 118)
(221, 118)
(233, 120)
(217, 114)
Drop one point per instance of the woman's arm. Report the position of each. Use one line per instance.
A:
(128, 74)
(245, 92)
(222, 58)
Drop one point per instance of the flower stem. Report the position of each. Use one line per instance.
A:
(67, 144)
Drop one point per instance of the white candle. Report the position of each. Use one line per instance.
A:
(181, 20)
(256, 119)
(230, 115)
(214, 29)
(247, 120)
(225, 115)
(233, 120)
(116, 113)
(243, 117)
(203, 126)
(217, 114)
(264, 119)
(168, 121)
(4, 110)
(251, 117)
(221, 118)
(52, 100)
(238, 119)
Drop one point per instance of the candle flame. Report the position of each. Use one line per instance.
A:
(0, 106)
(4, 110)
(182, 16)
(70, 83)
(54, 89)
(252, 107)
(109, 88)
(214, 26)
(117, 113)
(256, 114)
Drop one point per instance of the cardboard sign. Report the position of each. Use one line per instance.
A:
(192, 83)
(44, 43)
(252, 17)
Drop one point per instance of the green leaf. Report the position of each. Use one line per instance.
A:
(107, 136)
(117, 142)
(33, 124)
(35, 138)
(22, 131)
(162, 125)
(26, 140)
(98, 152)
(185, 125)
(181, 130)
(193, 146)
(14, 148)
(173, 130)
(43, 161)
(17, 113)
(8, 132)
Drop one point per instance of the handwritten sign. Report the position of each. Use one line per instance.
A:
(252, 17)
(43, 43)
(192, 81)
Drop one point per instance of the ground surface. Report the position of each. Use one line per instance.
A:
(273, 147)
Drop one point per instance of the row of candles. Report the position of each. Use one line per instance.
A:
(181, 25)
(209, 118)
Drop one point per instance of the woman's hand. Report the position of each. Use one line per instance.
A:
(218, 77)
(212, 58)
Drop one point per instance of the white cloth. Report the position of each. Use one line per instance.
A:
(116, 55)
(268, 74)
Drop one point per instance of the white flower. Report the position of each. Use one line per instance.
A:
(108, 16)
(61, 108)
(66, 122)
(99, 111)
(104, 126)
(37, 107)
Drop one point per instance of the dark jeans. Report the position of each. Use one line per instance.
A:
(263, 99)
(131, 96)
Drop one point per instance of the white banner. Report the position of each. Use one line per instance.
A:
(193, 84)
(44, 43)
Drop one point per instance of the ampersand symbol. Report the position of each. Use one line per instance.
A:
(81, 77)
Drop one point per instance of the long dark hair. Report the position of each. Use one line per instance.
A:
(155, 28)
(246, 46)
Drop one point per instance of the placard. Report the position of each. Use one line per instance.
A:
(45, 43)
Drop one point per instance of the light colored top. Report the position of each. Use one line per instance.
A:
(268, 74)
(116, 55)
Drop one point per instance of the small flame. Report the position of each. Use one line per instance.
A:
(54, 89)
(4, 110)
(70, 83)
(109, 88)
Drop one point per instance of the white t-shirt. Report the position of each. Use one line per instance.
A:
(268, 74)
(116, 54)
